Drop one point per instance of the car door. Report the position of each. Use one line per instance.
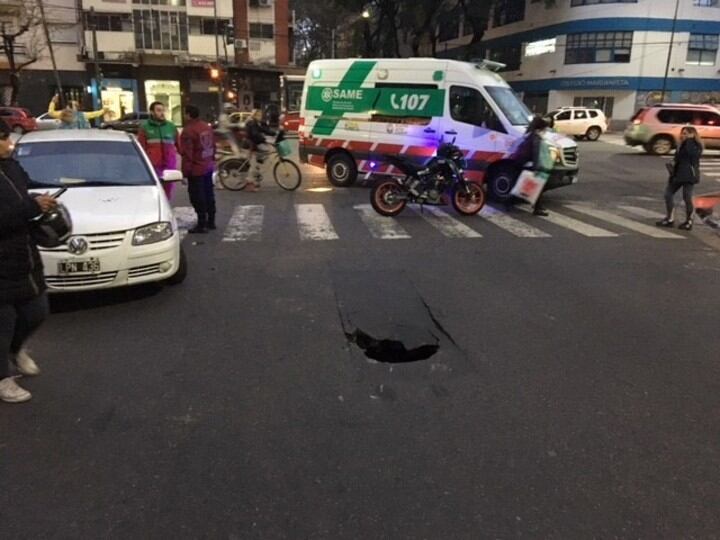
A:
(709, 129)
(563, 122)
(580, 122)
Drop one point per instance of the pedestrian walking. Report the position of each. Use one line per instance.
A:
(198, 159)
(159, 137)
(71, 117)
(23, 300)
(256, 130)
(529, 150)
(684, 174)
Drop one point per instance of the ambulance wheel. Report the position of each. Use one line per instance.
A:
(501, 182)
(342, 170)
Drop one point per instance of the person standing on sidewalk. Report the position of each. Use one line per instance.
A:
(256, 130)
(159, 138)
(23, 300)
(198, 158)
(684, 173)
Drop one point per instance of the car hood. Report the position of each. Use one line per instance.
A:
(559, 140)
(109, 209)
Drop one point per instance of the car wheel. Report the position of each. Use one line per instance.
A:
(593, 133)
(342, 170)
(662, 145)
(19, 130)
(501, 183)
(182, 270)
(647, 148)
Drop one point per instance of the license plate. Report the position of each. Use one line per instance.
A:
(86, 266)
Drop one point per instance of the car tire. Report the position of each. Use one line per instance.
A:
(647, 148)
(19, 130)
(342, 170)
(593, 133)
(661, 145)
(501, 182)
(182, 270)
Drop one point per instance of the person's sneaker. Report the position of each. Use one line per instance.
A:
(687, 226)
(665, 223)
(10, 392)
(198, 229)
(26, 365)
(541, 212)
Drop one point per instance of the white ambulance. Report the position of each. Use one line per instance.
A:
(356, 111)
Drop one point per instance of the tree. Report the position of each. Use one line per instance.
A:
(24, 35)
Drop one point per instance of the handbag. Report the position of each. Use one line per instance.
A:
(529, 186)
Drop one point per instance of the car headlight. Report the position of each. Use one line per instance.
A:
(555, 154)
(153, 233)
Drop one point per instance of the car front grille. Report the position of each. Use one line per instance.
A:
(96, 242)
(570, 156)
(87, 280)
(144, 271)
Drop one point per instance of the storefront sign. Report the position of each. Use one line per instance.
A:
(597, 82)
(203, 3)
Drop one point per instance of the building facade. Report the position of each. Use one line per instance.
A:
(133, 52)
(612, 54)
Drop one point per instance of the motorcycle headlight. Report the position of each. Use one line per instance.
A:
(153, 233)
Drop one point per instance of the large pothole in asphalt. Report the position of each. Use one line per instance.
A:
(391, 351)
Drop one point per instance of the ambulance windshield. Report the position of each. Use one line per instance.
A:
(514, 110)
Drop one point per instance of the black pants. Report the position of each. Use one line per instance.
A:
(17, 324)
(202, 194)
(670, 191)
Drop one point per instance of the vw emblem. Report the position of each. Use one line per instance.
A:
(78, 245)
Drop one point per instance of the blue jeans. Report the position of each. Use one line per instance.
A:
(17, 324)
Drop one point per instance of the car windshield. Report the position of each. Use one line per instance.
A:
(514, 110)
(83, 164)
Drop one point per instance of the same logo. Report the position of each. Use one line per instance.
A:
(327, 95)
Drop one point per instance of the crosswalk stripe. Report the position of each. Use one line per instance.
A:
(314, 223)
(622, 222)
(641, 212)
(446, 224)
(381, 227)
(511, 225)
(245, 224)
(574, 225)
(713, 174)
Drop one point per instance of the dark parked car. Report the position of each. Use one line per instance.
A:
(19, 120)
(129, 123)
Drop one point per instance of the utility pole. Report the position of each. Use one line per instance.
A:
(98, 74)
(670, 50)
(332, 43)
(50, 49)
(221, 90)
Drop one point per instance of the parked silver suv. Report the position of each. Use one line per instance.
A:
(658, 128)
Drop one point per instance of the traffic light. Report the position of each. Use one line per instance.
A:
(215, 73)
(229, 34)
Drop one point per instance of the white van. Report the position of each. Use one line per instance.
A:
(354, 112)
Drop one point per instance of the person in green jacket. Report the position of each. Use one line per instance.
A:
(159, 137)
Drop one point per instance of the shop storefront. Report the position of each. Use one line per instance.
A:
(169, 94)
(119, 96)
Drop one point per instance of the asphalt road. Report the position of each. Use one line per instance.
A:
(574, 389)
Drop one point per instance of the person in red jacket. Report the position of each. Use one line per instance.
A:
(159, 138)
(198, 159)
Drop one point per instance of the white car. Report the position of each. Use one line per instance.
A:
(45, 122)
(580, 122)
(124, 231)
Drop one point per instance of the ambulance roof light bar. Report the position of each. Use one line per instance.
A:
(490, 65)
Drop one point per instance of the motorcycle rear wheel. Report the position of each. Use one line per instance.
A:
(468, 204)
(385, 200)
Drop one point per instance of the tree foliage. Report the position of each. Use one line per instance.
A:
(22, 42)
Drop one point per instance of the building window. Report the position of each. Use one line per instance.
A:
(262, 31)
(705, 3)
(109, 22)
(574, 3)
(510, 56)
(449, 25)
(702, 49)
(598, 47)
(205, 26)
(605, 104)
(508, 12)
(160, 30)
(174, 3)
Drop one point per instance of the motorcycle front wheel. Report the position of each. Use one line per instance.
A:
(470, 201)
(388, 198)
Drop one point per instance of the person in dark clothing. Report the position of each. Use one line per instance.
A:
(198, 159)
(256, 130)
(685, 173)
(529, 151)
(23, 300)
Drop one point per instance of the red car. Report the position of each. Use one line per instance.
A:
(19, 120)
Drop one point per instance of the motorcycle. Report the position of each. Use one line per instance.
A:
(442, 177)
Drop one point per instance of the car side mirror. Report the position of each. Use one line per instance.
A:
(171, 175)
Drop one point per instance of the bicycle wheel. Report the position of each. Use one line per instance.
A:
(287, 175)
(233, 173)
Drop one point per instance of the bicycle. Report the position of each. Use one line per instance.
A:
(235, 168)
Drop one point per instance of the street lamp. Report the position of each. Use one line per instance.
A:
(366, 14)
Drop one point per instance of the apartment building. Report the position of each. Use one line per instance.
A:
(612, 54)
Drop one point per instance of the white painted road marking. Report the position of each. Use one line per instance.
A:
(511, 225)
(641, 212)
(381, 227)
(245, 224)
(574, 225)
(447, 225)
(620, 221)
(314, 223)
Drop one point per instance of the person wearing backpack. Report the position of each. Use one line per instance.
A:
(684, 174)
